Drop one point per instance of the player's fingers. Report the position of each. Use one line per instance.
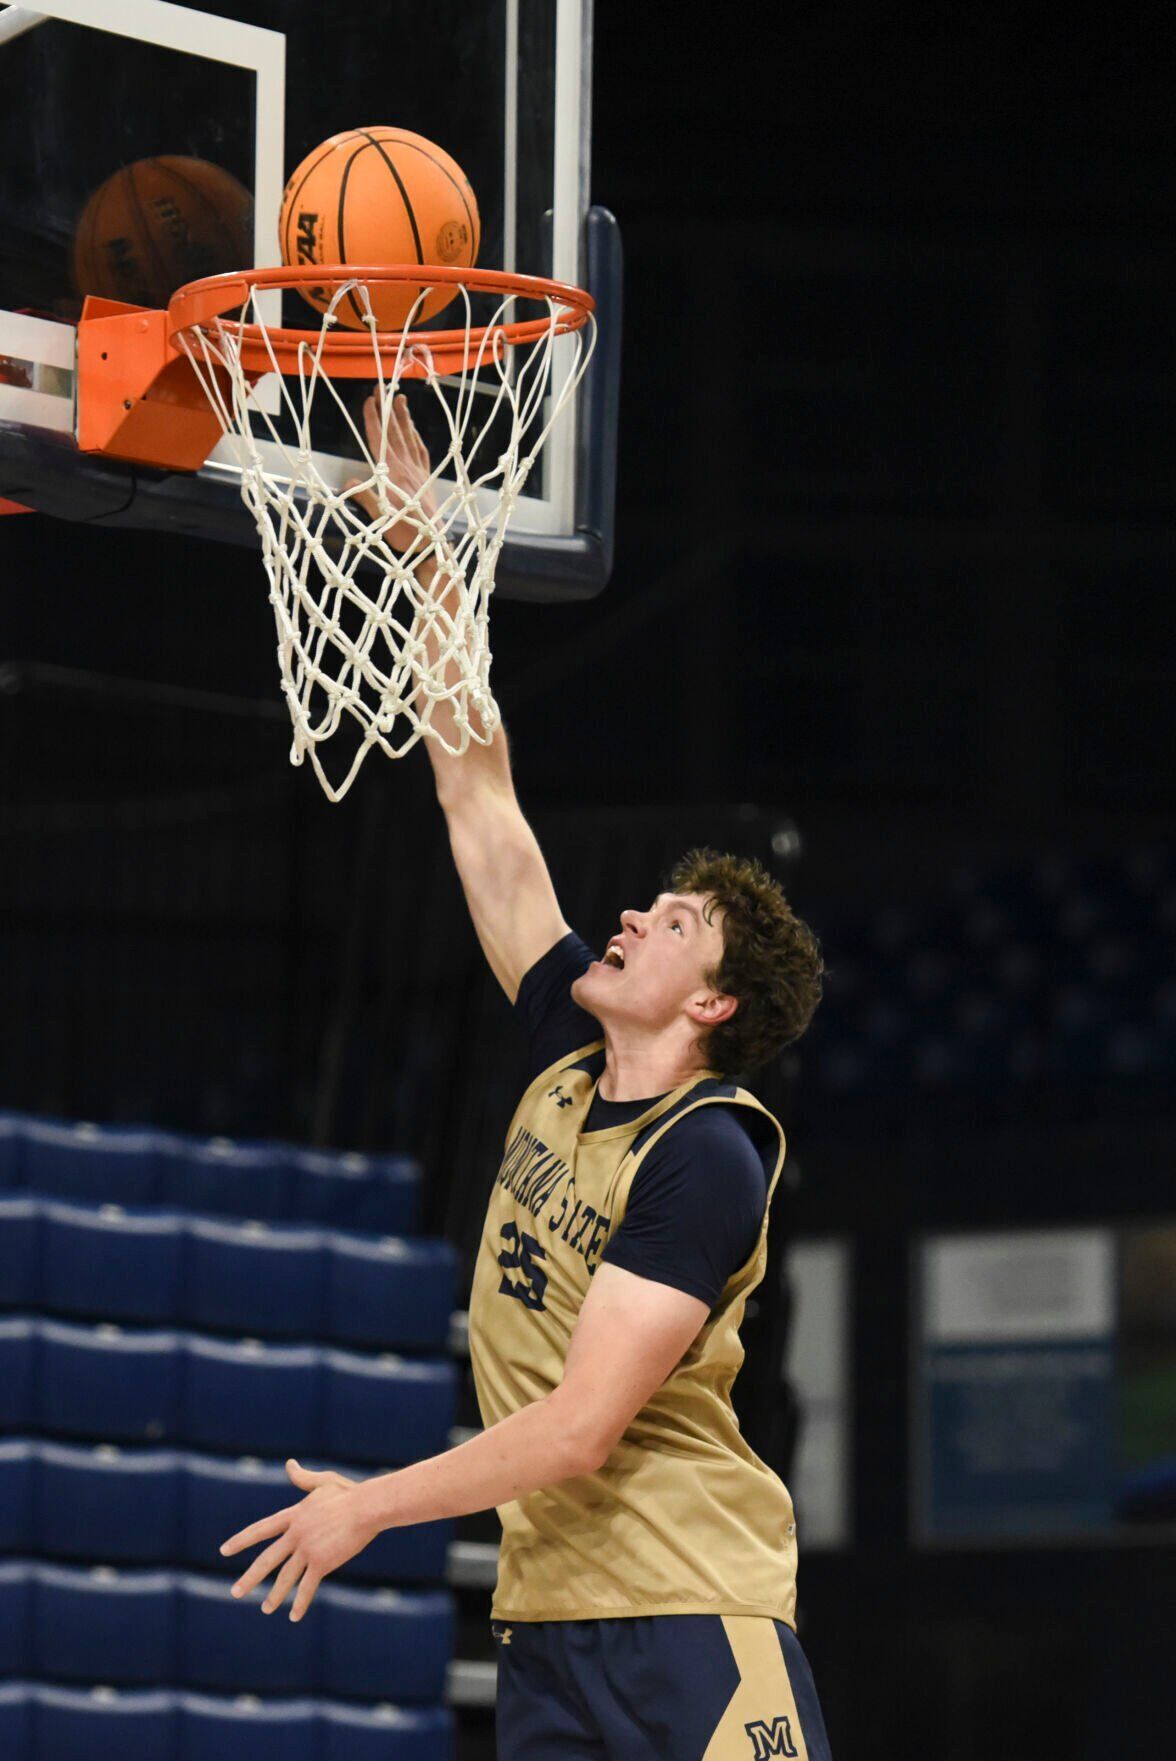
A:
(371, 413)
(284, 1583)
(414, 434)
(306, 1589)
(401, 417)
(262, 1566)
(270, 1525)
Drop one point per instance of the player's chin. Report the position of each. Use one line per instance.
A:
(583, 983)
(592, 985)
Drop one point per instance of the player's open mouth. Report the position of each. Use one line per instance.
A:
(614, 955)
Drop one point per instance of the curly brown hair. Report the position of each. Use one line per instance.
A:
(771, 959)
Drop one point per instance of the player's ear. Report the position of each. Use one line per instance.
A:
(711, 1007)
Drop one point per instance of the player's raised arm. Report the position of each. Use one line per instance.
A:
(507, 887)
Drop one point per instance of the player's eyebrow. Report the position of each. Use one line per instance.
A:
(680, 905)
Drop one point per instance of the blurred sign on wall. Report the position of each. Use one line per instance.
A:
(818, 1367)
(1044, 1385)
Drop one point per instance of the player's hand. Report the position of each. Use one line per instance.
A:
(313, 1538)
(406, 456)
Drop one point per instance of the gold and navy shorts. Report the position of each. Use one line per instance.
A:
(662, 1687)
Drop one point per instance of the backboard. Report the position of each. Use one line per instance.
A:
(251, 86)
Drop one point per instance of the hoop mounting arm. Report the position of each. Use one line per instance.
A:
(138, 396)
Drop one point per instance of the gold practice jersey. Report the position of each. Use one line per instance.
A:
(683, 1518)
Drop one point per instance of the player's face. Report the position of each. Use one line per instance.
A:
(656, 964)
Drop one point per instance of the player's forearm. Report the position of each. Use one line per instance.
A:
(534, 1447)
(479, 768)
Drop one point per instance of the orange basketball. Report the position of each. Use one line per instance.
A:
(159, 223)
(374, 196)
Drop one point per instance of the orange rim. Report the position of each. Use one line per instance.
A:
(348, 354)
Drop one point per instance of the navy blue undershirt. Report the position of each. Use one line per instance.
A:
(697, 1200)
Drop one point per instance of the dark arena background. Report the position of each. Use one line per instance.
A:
(891, 609)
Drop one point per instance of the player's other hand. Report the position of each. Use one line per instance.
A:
(310, 1539)
(397, 445)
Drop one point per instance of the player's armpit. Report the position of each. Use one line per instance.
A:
(630, 1334)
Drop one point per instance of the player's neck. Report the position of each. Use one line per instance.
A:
(637, 1069)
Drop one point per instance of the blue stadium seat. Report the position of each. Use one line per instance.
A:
(250, 1398)
(19, 1355)
(412, 1555)
(96, 1164)
(17, 1602)
(386, 1408)
(108, 1504)
(390, 1292)
(256, 1277)
(104, 1382)
(352, 1191)
(20, 1250)
(43, 1722)
(16, 1721)
(98, 1624)
(247, 1729)
(228, 1646)
(105, 1261)
(383, 1644)
(103, 1724)
(226, 1179)
(386, 1733)
(19, 1474)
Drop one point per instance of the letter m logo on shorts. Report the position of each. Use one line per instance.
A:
(770, 1739)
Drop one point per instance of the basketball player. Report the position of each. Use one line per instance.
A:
(645, 1607)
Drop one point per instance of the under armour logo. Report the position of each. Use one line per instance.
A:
(557, 1095)
(502, 1634)
(770, 1739)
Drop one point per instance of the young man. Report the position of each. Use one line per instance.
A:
(646, 1595)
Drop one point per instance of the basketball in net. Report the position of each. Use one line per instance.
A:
(379, 195)
(381, 616)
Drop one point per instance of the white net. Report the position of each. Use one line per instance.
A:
(381, 588)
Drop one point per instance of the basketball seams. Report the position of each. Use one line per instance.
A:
(475, 226)
(289, 201)
(368, 142)
(399, 181)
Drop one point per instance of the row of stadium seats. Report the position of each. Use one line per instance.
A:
(1049, 975)
(44, 1723)
(175, 1629)
(215, 1177)
(210, 1287)
(115, 1384)
(270, 1280)
(115, 1506)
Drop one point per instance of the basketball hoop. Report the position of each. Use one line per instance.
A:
(367, 633)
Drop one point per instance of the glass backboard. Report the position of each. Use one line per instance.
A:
(249, 89)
